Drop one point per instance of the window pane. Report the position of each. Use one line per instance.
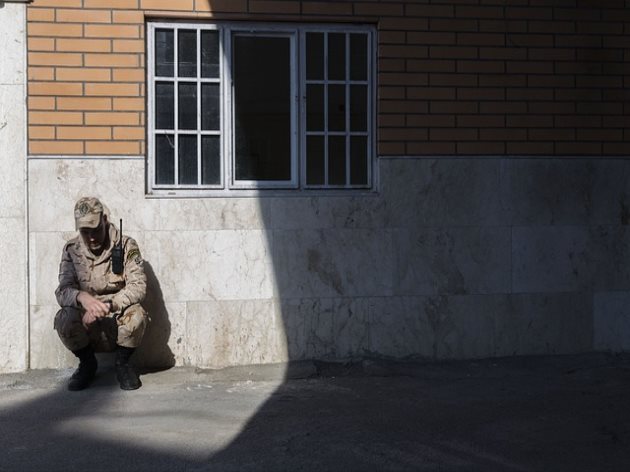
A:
(164, 52)
(164, 105)
(315, 169)
(315, 107)
(210, 107)
(262, 108)
(358, 108)
(210, 54)
(337, 160)
(210, 160)
(337, 108)
(358, 160)
(358, 56)
(315, 56)
(187, 159)
(187, 53)
(164, 159)
(336, 56)
(187, 106)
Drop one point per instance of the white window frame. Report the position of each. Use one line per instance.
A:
(231, 32)
(229, 187)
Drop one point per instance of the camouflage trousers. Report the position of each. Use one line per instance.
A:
(123, 329)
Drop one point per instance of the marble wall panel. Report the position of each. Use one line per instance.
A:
(309, 328)
(44, 256)
(47, 351)
(333, 263)
(296, 315)
(424, 268)
(548, 323)
(568, 191)
(13, 345)
(12, 256)
(463, 325)
(367, 212)
(164, 343)
(550, 259)
(455, 260)
(13, 297)
(444, 192)
(236, 332)
(13, 144)
(609, 247)
(211, 265)
(570, 258)
(13, 57)
(351, 325)
(325, 328)
(119, 183)
(611, 321)
(399, 327)
(214, 214)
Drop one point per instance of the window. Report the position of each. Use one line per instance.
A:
(235, 107)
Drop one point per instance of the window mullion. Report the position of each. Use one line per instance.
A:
(227, 102)
(199, 182)
(301, 108)
(176, 106)
(347, 110)
(326, 109)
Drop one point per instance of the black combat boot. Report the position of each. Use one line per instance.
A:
(84, 375)
(125, 373)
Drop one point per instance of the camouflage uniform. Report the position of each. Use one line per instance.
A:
(80, 270)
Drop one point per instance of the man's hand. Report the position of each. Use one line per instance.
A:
(94, 308)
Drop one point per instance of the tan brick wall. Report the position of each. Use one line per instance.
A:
(532, 77)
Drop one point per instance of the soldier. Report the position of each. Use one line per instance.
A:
(100, 309)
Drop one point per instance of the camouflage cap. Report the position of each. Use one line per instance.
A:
(87, 212)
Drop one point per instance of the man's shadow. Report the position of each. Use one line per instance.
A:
(154, 353)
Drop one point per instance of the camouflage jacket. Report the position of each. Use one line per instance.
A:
(81, 270)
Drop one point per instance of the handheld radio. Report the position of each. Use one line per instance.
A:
(118, 254)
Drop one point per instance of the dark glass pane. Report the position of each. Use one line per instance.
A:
(187, 53)
(187, 106)
(262, 108)
(210, 107)
(164, 52)
(358, 160)
(315, 107)
(210, 160)
(336, 160)
(210, 54)
(336, 56)
(358, 108)
(164, 105)
(358, 56)
(336, 108)
(187, 159)
(165, 159)
(315, 170)
(314, 56)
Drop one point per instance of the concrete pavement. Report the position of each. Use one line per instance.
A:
(513, 414)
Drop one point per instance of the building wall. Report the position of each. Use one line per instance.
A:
(458, 77)
(499, 225)
(13, 261)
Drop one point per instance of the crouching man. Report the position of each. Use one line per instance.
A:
(100, 309)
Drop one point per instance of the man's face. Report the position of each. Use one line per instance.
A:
(95, 238)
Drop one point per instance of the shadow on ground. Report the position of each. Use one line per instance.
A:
(546, 413)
